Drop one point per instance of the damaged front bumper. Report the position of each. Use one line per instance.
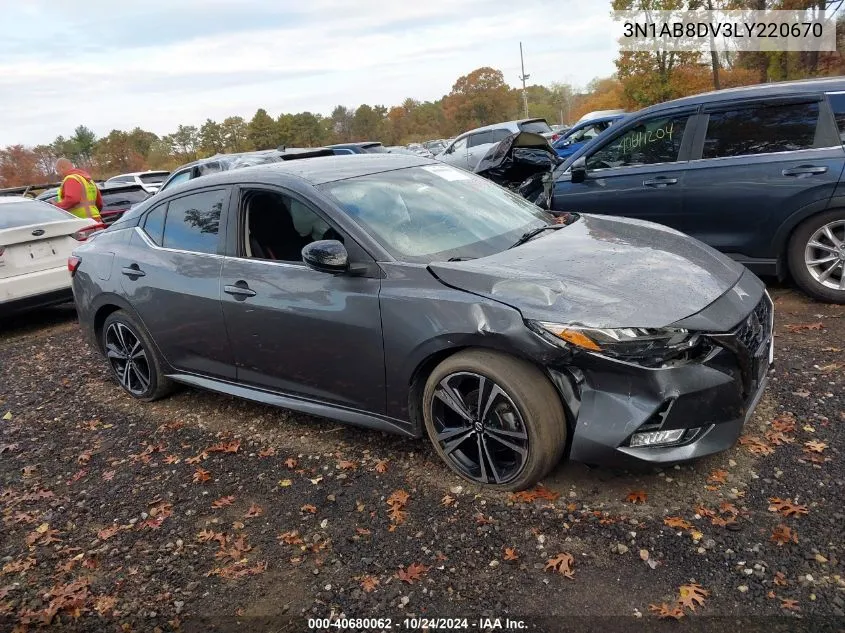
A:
(697, 409)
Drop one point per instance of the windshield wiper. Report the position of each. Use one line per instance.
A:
(534, 232)
(459, 259)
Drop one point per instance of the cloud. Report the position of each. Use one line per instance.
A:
(157, 64)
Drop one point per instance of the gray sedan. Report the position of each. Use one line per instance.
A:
(401, 294)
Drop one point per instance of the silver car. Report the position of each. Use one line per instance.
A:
(470, 147)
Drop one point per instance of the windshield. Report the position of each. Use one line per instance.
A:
(436, 212)
(27, 212)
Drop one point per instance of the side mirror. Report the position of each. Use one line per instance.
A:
(326, 256)
(578, 170)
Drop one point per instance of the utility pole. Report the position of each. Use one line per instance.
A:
(523, 77)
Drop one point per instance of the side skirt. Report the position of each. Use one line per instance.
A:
(341, 414)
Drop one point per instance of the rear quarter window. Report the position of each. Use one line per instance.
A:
(837, 104)
(761, 130)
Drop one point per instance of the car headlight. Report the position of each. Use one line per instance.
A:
(650, 347)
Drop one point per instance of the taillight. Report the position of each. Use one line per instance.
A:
(73, 264)
(555, 137)
(83, 234)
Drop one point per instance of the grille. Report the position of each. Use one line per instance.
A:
(754, 331)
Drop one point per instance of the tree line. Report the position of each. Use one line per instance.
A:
(479, 98)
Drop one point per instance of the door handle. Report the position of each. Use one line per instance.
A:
(133, 270)
(804, 170)
(239, 290)
(660, 181)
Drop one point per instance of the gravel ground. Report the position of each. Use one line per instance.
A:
(202, 512)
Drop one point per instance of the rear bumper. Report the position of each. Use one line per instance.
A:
(34, 290)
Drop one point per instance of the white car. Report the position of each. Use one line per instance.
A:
(149, 180)
(36, 240)
(467, 150)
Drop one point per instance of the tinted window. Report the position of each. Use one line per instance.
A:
(193, 222)
(24, 213)
(652, 141)
(540, 127)
(761, 130)
(279, 227)
(481, 138)
(148, 179)
(499, 135)
(837, 104)
(154, 223)
(122, 199)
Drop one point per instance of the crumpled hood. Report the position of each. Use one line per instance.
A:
(601, 271)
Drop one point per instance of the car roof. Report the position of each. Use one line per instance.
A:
(316, 171)
(798, 87)
(598, 119)
(142, 173)
(494, 126)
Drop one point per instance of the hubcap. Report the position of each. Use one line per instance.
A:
(479, 428)
(128, 358)
(824, 255)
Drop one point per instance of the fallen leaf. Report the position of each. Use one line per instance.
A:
(778, 439)
(7, 415)
(562, 564)
(413, 573)
(172, 459)
(784, 425)
(664, 611)
(363, 531)
(206, 535)
(718, 477)
(447, 500)
(106, 533)
(780, 579)
(726, 507)
(835, 350)
(381, 466)
(369, 583)
(637, 496)
(308, 508)
(83, 458)
(285, 483)
(815, 446)
(347, 465)
(256, 510)
(291, 538)
(225, 447)
(800, 327)
(201, 476)
(538, 493)
(786, 507)
(398, 498)
(510, 554)
(789, 604)
(782, 535)
(222, 502)
(267, 452)
(677, 522)
(692, 595)
(756, 445)
(397, 515)
(104, 604)
(290, 462)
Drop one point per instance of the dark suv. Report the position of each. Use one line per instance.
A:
(755, 172)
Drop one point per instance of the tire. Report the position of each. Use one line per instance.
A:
(830, 289)
(525, 404)
(120, 333)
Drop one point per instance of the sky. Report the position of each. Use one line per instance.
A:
(160, 63)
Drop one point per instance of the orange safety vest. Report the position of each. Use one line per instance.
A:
(87, 207)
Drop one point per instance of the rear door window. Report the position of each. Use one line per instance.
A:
(652, 141)
(837, 104)
(481, 138)
(761, 130)
(193, 222)
(497, 136)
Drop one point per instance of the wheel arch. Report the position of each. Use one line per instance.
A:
(785, 231)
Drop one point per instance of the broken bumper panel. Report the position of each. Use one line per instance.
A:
(705, 403)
